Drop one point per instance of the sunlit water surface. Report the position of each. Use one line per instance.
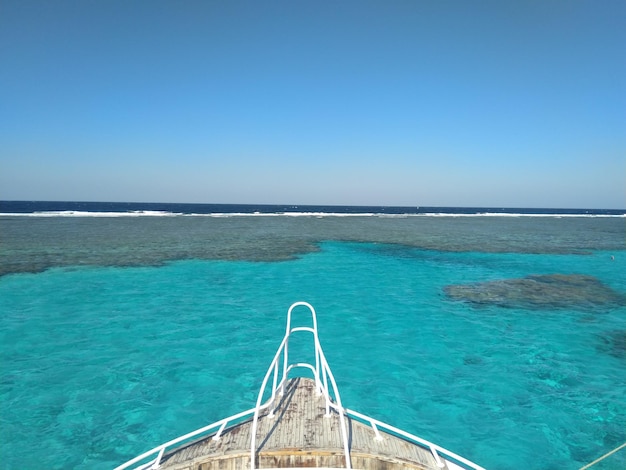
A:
(102, 363)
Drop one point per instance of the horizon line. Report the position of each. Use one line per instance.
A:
(398, 206)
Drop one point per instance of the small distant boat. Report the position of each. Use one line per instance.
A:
(299, 421)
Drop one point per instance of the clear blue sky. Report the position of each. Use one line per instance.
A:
(408, 102)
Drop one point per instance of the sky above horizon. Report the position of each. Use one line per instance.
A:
(426, 103)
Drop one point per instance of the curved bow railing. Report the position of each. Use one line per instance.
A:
(321, 373)
(323, 377)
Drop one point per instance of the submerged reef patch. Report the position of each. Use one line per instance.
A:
(614, 343)
(549, 291)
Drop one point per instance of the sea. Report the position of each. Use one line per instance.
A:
(497, 333)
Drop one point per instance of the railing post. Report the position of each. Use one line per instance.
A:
(378, 437)
(157, 462)
(440, 464)
(219, 431)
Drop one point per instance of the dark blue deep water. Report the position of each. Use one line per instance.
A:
(179, 208)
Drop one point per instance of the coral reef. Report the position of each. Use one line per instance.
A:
(549, 291)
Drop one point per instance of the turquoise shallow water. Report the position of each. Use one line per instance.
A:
(102, 363)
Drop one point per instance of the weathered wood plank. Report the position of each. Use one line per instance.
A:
(299, 435)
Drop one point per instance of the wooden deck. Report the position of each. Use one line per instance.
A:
(299, 435)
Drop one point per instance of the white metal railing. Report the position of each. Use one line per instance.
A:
(321, 373)
(434, 448)
(154, 464)
(322, 376)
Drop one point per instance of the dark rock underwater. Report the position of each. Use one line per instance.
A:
(550, 291)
